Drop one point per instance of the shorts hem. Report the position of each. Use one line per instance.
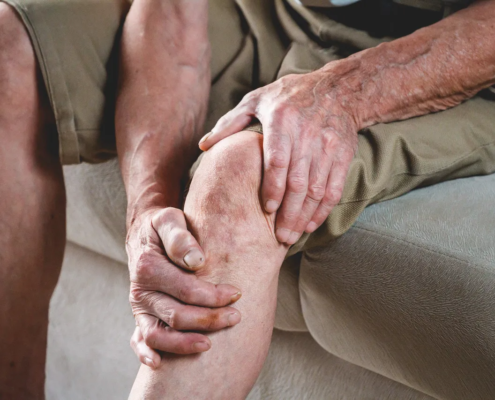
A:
(49, 63)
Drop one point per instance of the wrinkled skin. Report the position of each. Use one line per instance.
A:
(160, 292)
(310, 137)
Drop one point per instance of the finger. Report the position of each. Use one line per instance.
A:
(232, 122)
(333, 193)
(183, 317)
(318, 178)
(145, 354)
(158, 336)
(276, 160)
(154, 272)
(180, 245)
(297, 188)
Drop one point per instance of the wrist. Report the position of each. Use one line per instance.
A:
(143, 199)
(340, 84)
(370, 88)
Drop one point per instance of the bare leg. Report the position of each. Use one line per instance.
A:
(32, 220)
(224, 212)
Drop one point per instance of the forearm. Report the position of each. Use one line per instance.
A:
(162, 99)
(430, 70)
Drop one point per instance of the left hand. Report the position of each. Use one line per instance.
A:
(310, 136)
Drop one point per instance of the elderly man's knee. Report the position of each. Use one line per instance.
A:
(232, 169)
(226, 186)
(223, 204)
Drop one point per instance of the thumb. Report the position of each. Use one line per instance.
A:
(232, 122)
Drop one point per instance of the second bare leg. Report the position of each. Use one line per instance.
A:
(32, 219)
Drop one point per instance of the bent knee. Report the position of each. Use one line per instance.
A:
(238, 158)
(223, 203)
(228, 178)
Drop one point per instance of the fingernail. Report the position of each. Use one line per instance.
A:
(271, 206)
(149, 362)
(200, 346)
(293, 238)
(235, 297)
(205, 137)
(233, 319)
(193, 258)
(311, 227)
(283, 234)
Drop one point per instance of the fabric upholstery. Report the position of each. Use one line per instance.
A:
(89, 357)
(409, 291)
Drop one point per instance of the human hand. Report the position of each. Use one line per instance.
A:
(310, 136)
(166, 298)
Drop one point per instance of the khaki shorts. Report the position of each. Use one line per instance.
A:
(254, 43)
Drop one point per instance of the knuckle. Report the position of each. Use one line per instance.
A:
(282, 113)
(276, 188)
(138, 296)
(287, 79)
(297, 183)
(277, 159)
(333, 196)
(316, 192)
(170, 318)
(144, 268)
(250, 97)
(187, 294)
(151, 338)
(164, 215)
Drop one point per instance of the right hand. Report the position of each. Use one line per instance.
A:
(166, 297)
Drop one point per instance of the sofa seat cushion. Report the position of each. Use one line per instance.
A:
(408, 292)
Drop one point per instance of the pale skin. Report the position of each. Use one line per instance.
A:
(157, 135)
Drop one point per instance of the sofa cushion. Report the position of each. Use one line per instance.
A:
(89, 356)
(408, 292)
(96, 208)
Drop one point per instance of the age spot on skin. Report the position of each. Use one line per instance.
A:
(208, 322)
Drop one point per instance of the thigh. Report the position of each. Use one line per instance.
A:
(76, 48)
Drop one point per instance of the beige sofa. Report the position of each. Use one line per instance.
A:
(401, 307)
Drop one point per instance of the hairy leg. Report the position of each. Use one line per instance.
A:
(32, 220)
(224, 212)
